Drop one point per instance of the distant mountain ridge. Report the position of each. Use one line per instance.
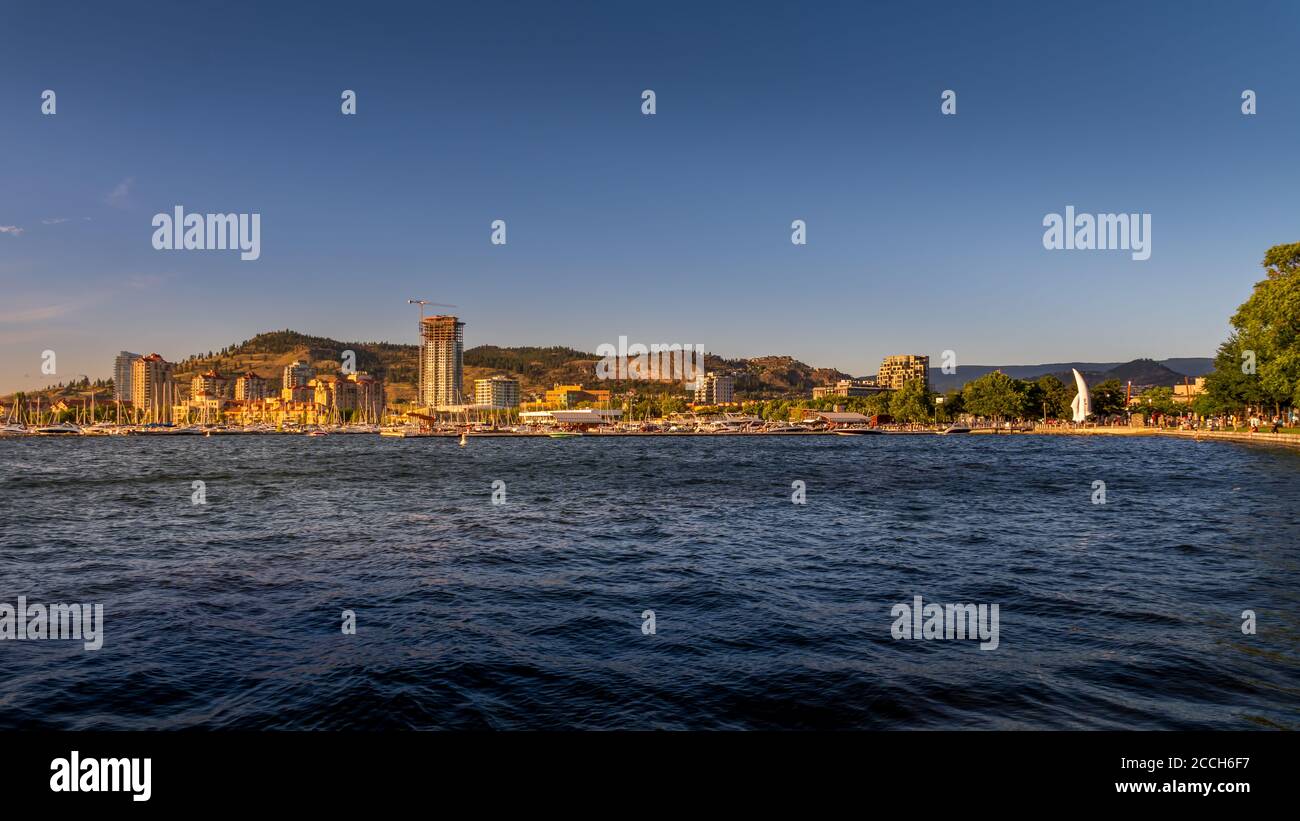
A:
(1164, 372)
(539, 368)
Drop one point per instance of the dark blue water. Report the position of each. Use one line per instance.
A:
(768, 614)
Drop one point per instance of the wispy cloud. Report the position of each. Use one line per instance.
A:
(11, 230)
(120, 196)
(54, 220)
(142, 281)
(38, 314)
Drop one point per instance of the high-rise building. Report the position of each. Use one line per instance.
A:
(442, 357)
(122, 375)
(497, 391)
(153, 388)
(250, 387)
(896, 371)
(297, 374)
(714, 389)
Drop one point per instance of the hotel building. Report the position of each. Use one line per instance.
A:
(153, 388)
(497, 392)
(441, 361)
(251, 387)
(896, 371)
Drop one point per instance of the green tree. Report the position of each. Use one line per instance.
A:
(1266, 332)
(993, 395)
(912, 402)
(951, 407)
(1107, 398)
(1160, 400)
(1053, 399)
(877, 404)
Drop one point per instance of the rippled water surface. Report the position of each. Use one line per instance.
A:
(768, 614)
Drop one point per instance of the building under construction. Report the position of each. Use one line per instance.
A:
(441, 361)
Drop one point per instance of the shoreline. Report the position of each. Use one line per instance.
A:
(1291, 440)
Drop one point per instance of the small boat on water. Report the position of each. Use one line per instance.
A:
(317, 433)
(564, 434)
(464, 439)
(955, 429)
(53, 430)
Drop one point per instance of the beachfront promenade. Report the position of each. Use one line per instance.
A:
(1261, 438)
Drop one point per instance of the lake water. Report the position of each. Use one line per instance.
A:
(767, 614)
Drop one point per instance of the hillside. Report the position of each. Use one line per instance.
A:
(538, 368)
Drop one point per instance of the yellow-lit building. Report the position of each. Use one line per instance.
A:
(564, 397)
(897, 371)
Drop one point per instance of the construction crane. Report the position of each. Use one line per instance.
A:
(423, 302)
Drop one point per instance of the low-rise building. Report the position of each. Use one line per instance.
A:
(571, 419)
(497, 392)
(210, 383)
(848, 387)
(562, 397)
(1189, 391)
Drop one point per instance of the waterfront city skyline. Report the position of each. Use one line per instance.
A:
(675, 226)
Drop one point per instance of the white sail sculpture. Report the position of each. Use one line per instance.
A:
(1082, 404)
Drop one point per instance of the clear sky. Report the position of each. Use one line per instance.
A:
(924, 231)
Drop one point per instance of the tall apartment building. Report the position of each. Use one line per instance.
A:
(122, 375)
(297, 374)
(153, 388)
(498, 391)
(442, 357)
(714, 389)
(250, 387)
(895, 371)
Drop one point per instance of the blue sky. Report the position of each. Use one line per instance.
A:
(924, 231)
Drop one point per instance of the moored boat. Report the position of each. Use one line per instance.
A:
(54, 430)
